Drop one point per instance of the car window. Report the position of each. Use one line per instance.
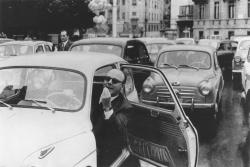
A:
(39, 49)
(224, 47)
(131, 53)
(14, 50)
(198, 59)
(42, 87)
(47, 48)
(101, 48)
(150, 88)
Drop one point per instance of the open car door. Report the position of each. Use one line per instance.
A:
(159, 132)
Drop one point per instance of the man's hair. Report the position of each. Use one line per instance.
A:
(63, 31)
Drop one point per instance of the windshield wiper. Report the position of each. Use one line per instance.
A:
(185, 65)
(41, 105)
(170, 65)
(7, 105)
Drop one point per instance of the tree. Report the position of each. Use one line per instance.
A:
(66, 14)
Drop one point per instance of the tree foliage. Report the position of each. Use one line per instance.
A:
(67, 13)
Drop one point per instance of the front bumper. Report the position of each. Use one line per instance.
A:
(194, 108)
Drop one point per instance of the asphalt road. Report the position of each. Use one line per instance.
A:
(231, 146)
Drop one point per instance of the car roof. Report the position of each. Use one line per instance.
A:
(109, 40)
(149, 40)
(82, 61)
(189, 47)
(31, 43)
(191, 39)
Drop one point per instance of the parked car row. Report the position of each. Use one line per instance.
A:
(168, 85)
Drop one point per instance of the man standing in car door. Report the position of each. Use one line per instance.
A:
(65, 43)
(112, 129)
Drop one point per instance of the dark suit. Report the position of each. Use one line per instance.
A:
(111, 134)
(66, 47)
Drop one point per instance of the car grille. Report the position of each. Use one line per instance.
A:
(186, 94)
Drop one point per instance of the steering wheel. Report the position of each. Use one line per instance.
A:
(63, 100)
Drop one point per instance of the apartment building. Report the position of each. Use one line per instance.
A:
(139, 16)
(223, 18)
(182, 18)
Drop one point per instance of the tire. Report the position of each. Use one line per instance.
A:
(246, 107)
(237, 82)
(214, 121)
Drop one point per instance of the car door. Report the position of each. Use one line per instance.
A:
(159, 134)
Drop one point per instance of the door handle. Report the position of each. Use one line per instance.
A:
(154, 113)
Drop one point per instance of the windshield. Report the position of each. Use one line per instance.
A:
(14, 50)
(51, 88)
(244, 45)
(155, 48)
(198, 59)
(101, 48)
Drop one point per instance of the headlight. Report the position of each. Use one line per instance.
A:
(237, 59)
(147, 88)
(205, 88)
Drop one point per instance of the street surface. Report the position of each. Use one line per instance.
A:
(229, 147)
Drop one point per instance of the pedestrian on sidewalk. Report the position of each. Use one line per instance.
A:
(65, 43)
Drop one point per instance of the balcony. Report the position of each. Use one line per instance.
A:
(200, 1)
(185, 13)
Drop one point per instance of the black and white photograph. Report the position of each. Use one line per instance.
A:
(124, 83)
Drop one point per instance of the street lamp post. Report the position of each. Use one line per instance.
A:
(114, 18)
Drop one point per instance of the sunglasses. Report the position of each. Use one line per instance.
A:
(113, 80)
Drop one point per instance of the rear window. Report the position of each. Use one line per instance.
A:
(14, 50)
(100, 48)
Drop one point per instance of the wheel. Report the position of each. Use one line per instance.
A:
(213, 120)
(237, 82)
(63, 100)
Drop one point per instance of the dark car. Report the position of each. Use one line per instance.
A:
(225, 54)
(132, 50)
(196, 77)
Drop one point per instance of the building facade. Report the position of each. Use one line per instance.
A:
(222, 18)
(182, 17)
(144, 17)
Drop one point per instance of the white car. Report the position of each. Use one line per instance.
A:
(46, 114)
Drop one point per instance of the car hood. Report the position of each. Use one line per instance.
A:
(186, 77)
(25, 131)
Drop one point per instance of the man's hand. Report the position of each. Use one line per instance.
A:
(105, 99)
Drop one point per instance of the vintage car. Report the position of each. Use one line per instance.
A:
(16, 48)
(154, 45)
(186, 41)
(239, 60)
(3, 40)
(132, 50)
(48, 112)
(196, 78)
(245, 82)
